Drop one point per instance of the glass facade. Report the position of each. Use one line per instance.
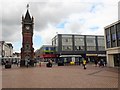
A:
(66, 48)
(118, 34)
(67, 43)
(48, 50)
(55, 42)
(108, 38)
(113, 36)
(79, 43)
(91, 43)
(117, 60)
(101, 44)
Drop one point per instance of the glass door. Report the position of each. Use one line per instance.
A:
(117, 60)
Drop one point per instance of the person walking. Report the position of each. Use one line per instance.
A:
(102, 63)
(39, 63)
(96, 62)
(84, 64)
(27, 63)
(49, 64)
(17, 63)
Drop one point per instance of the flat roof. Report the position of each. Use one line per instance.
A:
(77, 35)
(112, 24)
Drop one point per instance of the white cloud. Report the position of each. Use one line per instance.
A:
(48, 33)
(80, 16)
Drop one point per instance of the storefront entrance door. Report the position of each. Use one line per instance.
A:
(117, 60)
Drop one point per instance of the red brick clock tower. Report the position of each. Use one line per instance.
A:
(27, 50)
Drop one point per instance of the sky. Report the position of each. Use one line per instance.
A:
(52, 17)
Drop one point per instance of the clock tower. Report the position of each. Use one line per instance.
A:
(27, 50)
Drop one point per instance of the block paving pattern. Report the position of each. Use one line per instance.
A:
(60, 77)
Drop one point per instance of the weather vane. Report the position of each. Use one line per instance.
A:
(27, 6)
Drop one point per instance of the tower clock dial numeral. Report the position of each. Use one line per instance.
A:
(27, 27)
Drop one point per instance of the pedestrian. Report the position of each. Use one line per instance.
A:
(40, 63)
(105, 63)
(27, 63)
(35, 62)
(49, 64)
(84, 64)
(95, 61)
(65, 61)
(102, 62)
(99, 63)
(17, 63)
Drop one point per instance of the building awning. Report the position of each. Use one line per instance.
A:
(102, 55)
(91, 55)
(48, 56)
(70, 56)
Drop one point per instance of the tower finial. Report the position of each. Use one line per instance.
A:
(27, 6)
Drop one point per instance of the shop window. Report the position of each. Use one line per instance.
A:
(66, 48)
(77, 48)
(108, 38)
(108, 41)
(46, 48)
(66, 40)
(117, 60)
(118, 35)
(52, 49)
(108, 44)
(113, 37)
(91, 48)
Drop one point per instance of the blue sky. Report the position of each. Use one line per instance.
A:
(61, 24)
(88, 17)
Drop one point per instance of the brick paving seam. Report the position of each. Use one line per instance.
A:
(95, 72)
(105, 76)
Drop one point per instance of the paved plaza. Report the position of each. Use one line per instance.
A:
(60, 77)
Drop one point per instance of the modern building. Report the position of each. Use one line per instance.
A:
(45, 53)
(119, 10)
(112, 41)
(74, 47)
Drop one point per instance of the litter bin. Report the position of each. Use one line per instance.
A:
(60, 63)
(49, 64)
(72, 63)
(7, 65)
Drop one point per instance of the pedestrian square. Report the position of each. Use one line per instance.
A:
(60, 77)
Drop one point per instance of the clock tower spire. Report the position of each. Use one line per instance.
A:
(27, 50)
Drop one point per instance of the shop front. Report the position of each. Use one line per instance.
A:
(116, 60)
(47, 57)
(91, 57)
(96, 57)
(71, 58)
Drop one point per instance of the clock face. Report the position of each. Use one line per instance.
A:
(27, 27)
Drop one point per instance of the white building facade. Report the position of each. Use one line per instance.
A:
(112, 39)
(6, 49)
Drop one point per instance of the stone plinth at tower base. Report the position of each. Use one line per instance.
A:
(24, 63)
